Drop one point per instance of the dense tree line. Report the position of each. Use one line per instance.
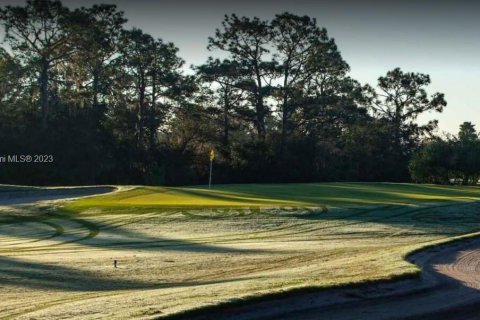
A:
(453, 159)
(116, 106)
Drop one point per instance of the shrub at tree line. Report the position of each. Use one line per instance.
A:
(449, 160)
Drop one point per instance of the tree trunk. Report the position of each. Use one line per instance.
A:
(284, 111)
(152, 130)
(284, 128)
(226, 108)
(44, 91)
(259, 107)
(141, 107)
(95, 89)
(260, 121)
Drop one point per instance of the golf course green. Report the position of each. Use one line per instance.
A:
(261, 195)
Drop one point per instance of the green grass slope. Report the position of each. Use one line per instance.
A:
(260, 195)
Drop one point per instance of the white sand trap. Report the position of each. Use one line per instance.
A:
(448, 289)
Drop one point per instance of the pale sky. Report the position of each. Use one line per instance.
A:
(440, 38)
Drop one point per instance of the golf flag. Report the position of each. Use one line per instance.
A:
(212, 156)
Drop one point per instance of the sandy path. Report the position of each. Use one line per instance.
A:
(448, 289)
(9, 198)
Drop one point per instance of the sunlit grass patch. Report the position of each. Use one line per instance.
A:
(295, 195)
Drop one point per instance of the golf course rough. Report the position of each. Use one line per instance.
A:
(184, 248)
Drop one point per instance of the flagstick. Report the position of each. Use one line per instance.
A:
(210, 179)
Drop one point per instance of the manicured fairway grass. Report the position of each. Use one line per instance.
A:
(311, 194)
(184, 248)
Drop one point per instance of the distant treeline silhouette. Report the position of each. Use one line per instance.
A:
(113, 105)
